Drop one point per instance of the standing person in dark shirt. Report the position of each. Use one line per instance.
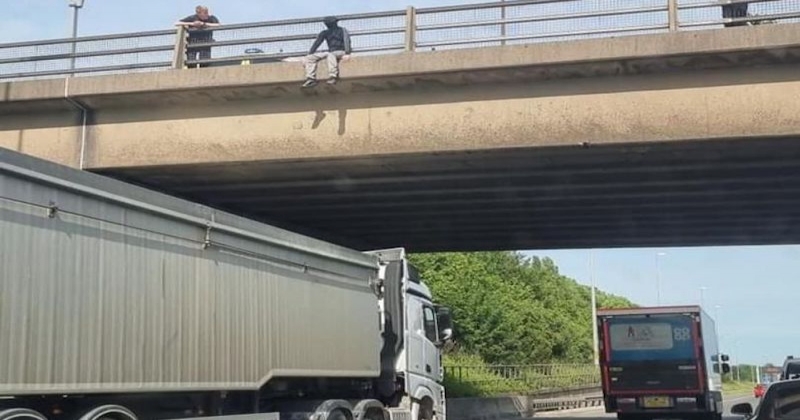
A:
(198, 26)
(733, 11)
(338, 40)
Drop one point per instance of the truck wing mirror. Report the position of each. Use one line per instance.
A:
(726, 368)
(447, 335)
(725, 358)
(445, 322)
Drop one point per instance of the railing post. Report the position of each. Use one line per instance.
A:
(411, 29)
(179, 53)
(503, 33)
(672, 7)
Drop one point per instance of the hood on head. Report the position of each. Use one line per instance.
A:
(331, 21)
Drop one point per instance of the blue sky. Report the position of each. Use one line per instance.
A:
(749, 283)
(26, 20)
(759, 306)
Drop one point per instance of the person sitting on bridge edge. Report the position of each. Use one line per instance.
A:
(733, 11)
(198, 25)
(338, 40)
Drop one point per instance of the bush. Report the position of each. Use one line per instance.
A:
(513, 310)
(469, 376)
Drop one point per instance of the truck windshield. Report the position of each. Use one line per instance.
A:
(654, 338)
(792, 370)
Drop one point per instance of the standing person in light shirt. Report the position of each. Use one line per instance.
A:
(199, 25)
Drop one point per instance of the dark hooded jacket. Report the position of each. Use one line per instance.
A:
(337, 38)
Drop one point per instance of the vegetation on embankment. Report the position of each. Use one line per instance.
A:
(737, 389)
(511, 310)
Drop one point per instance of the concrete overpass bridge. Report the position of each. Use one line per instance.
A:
(664, 139)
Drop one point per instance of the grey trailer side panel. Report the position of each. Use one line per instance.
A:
(99, 296)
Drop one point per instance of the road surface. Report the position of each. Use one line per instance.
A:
(599, 413)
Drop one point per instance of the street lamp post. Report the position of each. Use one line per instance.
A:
(76, 5)
(658, 277)
(702, 295)
(595, 344)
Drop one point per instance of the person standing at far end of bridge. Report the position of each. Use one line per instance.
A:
(338, 40)
(198, 26)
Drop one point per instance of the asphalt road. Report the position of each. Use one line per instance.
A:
(599, 413)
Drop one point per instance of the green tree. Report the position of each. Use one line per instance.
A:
(509, 309)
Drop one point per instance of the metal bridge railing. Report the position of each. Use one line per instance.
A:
(382, 32)
(142, 51)
(705, 14)
(529, 377)
(474, 25)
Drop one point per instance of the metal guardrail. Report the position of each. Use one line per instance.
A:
(531, 378)
(142, 51)
(565, 404)
(474, 25)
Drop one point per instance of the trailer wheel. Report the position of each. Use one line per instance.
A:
(109, 412)
(338, 415)
(21, 414)
(374, 414)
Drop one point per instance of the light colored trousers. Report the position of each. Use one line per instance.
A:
(333, 63)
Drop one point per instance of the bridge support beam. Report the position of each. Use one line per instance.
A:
(734, 103)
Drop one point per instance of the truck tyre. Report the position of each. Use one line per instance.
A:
(109, 412)
(338, 415)
(425, 410)
(369, 410)
(629, 416)
(21, 414)
(374, 414)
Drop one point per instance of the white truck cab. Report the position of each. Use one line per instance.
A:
(414, 331)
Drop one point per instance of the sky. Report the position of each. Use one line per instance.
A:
(754, 288)
(26, 20)
(749, 284)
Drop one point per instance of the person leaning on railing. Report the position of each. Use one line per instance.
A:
(198, 26)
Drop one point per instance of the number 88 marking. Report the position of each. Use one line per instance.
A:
(682, 334)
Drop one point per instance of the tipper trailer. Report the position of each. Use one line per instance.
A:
(120, 303)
